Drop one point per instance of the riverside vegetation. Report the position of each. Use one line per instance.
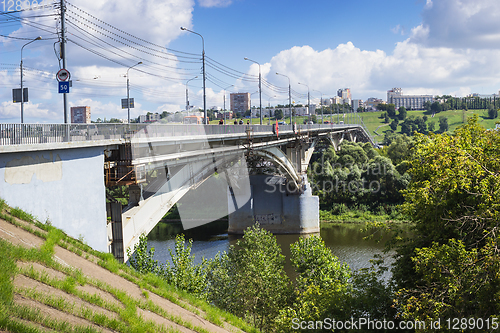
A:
(449, 189)
(50, 282)
(447, 269)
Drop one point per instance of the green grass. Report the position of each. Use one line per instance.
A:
(129, 320)
(373, 121)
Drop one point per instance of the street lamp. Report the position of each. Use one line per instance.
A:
(128, 91)
(308, 99)
(204, 79)
(187, 98)
(321, 105)
(260, 87)
(22, 91)
(225, 102)
(269, 105)
(289, 95)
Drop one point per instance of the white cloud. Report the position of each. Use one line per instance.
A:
(214, 3)
(460, 24)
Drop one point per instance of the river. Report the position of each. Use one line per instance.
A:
(346, 240)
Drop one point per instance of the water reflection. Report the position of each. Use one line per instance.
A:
(346, 241)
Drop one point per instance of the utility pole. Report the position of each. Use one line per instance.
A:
(63, 56)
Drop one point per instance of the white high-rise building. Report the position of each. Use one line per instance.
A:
(411, 102)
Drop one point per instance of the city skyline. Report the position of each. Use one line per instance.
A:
(425, 47)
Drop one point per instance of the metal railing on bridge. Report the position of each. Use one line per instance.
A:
(22, 134)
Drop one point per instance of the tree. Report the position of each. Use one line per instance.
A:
(436, 107)
(492, 112)
(394, 125)
(386, 118)
(278, 114)
(322, 285)
(427, 106)
(391, 110)
(449, 268)
(250, 280)
(402, 113)
(431, 126)
(443, 124)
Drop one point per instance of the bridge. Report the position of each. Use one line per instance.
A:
(59, 173)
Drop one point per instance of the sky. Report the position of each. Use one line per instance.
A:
(422, 46)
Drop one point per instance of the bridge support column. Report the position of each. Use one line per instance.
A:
(274, 208)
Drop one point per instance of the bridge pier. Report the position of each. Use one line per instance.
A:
(275, 207)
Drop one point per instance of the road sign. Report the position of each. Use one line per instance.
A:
(124, 103)
(16, 95)
(63, 87)
(63, 75)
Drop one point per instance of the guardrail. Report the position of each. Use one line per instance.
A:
(22, 134)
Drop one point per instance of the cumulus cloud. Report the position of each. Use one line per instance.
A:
(459, 24)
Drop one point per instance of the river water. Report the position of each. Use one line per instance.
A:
(346, 240)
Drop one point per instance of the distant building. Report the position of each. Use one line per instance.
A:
(411, 102)
(149, 118)
(356, 103)
(344, 95)
(372, 102)
(80, 114)
(240, 102)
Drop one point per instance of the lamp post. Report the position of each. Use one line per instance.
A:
(289, 95)
(225, 102)
(308, 99)
(321, 105)
(22, 90)
(269, 105)
(205, 122)
(128, 91)
(260, 87)
(187, 98)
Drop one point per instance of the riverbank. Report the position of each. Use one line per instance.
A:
(359, 216)
(49, 281)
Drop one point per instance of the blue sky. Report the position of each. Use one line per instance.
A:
(423, 46)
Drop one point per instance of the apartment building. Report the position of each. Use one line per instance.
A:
(411, 102)
(240, 102)
(80, 114)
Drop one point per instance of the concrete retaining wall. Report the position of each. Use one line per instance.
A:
(64, 186)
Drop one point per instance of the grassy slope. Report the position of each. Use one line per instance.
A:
(15, 317)
(372, 120)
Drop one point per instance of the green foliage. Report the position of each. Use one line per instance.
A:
(183, 273)
(402, 113)
(371, 295)
(141, 259)
(19, 213)
(492, 112)
(394, 125)
(357, 175)
(322, 285)
(278, 114)
(450, 267)
(250, 279)
(443, 124)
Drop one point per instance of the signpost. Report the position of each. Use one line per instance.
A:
(63, 87)
(63, 75)
(16, 95)
(125, 104)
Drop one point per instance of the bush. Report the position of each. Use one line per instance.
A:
(250, 280)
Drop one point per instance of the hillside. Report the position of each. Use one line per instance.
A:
(374, 123)
(50, 282)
